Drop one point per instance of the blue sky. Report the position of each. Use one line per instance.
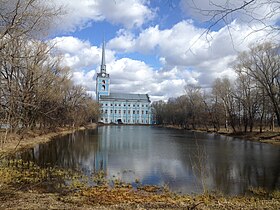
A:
(156, 47)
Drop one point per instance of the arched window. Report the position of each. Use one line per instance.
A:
(103, 81)
(103, 87)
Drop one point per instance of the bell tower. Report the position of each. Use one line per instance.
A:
(102, 79)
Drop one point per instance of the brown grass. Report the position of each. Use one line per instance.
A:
(267, 136)
(29, 139)
(127, 198)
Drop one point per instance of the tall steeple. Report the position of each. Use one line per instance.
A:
(102, 78)
(103, 65)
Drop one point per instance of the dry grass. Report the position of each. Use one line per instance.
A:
(126, 198)
(29, 139)
(267, 136)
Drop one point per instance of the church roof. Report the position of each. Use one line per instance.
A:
(126, 96)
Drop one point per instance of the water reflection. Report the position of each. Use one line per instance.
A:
(78, 151)
(165, 156)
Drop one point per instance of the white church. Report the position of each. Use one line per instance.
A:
(120, 108)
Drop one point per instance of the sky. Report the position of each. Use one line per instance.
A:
(157, 47)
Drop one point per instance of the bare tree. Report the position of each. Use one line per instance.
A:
(247, 96)
(158, 109)
(222, 12)
(262, 63)
(215, 111)
(35, 89)
(223, 90)
(196, 105)
(30, 18)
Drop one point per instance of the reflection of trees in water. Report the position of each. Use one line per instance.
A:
(164, 156)
(79, 150)
(240, 165)
(232, 165)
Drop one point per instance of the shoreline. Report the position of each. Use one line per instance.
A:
(15, 144)
(30, 139)
(269, 137)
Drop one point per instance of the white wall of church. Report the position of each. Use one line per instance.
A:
(127, 112)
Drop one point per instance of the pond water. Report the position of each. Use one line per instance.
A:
(185, 161)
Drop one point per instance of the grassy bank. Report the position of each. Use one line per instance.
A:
(267, 136)
(31, 187)
(16, 142)
(271, 137)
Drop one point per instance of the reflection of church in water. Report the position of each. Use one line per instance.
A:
(120, 107)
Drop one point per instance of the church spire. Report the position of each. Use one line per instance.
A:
(103, 65)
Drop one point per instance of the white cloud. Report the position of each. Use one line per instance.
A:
(80, 13)
(130, 13)
(79, 54)
(85, 79)
(70, 44)
(124, 42)
(262, 9)
(127, 75)
(183, 46)
(261, 12)
(185, 55)
(149, 39)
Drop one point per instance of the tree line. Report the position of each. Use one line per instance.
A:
(251, 101)
(36, 91)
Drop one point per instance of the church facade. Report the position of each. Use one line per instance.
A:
(120, 108)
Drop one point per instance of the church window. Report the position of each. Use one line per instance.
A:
(103, 81)
(103, 87)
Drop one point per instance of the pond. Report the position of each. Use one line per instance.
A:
(185, 161)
